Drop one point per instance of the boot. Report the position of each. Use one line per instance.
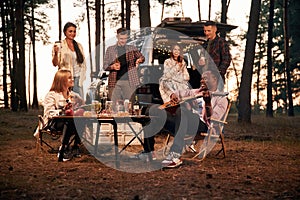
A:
(76, 151)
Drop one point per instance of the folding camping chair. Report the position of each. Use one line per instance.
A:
(48, 130)
(214, 133)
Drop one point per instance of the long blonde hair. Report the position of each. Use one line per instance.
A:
(60, 80)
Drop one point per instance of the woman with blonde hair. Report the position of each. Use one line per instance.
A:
(61, 97)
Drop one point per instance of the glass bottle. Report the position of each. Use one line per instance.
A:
(136, 105)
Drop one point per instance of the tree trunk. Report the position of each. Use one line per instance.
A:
(199, 11)
(103, 29)
(287, 57)
(244, 106)
(35, 103)
(144, 10)
(224, 15)
(209, 9)
(259, 67)
(21, 84)
(269, 111)
(59, 19)
(13, 69)
(89, 36)
(4, 47)
(128, 14)
(122, 14)
(162, 10)
(97, 39)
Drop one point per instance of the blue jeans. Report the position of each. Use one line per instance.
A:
(180, 124)
(77, 88)
(185, 123)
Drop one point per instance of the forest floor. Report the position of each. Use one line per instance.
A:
(262, 162)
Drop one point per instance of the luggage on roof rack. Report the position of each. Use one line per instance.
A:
(178, 19)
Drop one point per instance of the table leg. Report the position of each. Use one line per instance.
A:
(116, 144)
(97, 138)
(136, 135)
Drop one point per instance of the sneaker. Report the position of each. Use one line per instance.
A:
(76, 152)
(153, 154)
(145, 156)
(172, 160)
(63, 157)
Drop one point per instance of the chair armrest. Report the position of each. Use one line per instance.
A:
(206, 134)
(218, 121)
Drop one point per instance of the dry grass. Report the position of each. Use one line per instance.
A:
(262, 163)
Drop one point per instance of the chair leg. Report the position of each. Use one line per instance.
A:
(223, 145)
(204, 149)
(166, 144)
(37, 145)
(200, 152)
(40, 141)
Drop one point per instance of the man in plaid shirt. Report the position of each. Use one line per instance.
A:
(217, 48)
(122, 60)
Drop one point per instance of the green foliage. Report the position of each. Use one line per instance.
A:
(18, 15)
(294, 16)
(170, 3)
(41, 19)
(172, 6)
(279, 71)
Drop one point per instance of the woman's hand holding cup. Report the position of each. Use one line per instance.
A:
(56, 46)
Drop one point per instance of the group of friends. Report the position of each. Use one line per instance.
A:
(122, 61)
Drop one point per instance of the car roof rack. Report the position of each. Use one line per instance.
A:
(192, 29)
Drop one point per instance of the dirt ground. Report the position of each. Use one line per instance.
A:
(262, 162)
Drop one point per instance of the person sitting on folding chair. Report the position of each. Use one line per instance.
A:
(194, 117)
(61, 97)
(191, 119)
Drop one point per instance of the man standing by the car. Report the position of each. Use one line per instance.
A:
(217, 49)
(121, 60)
